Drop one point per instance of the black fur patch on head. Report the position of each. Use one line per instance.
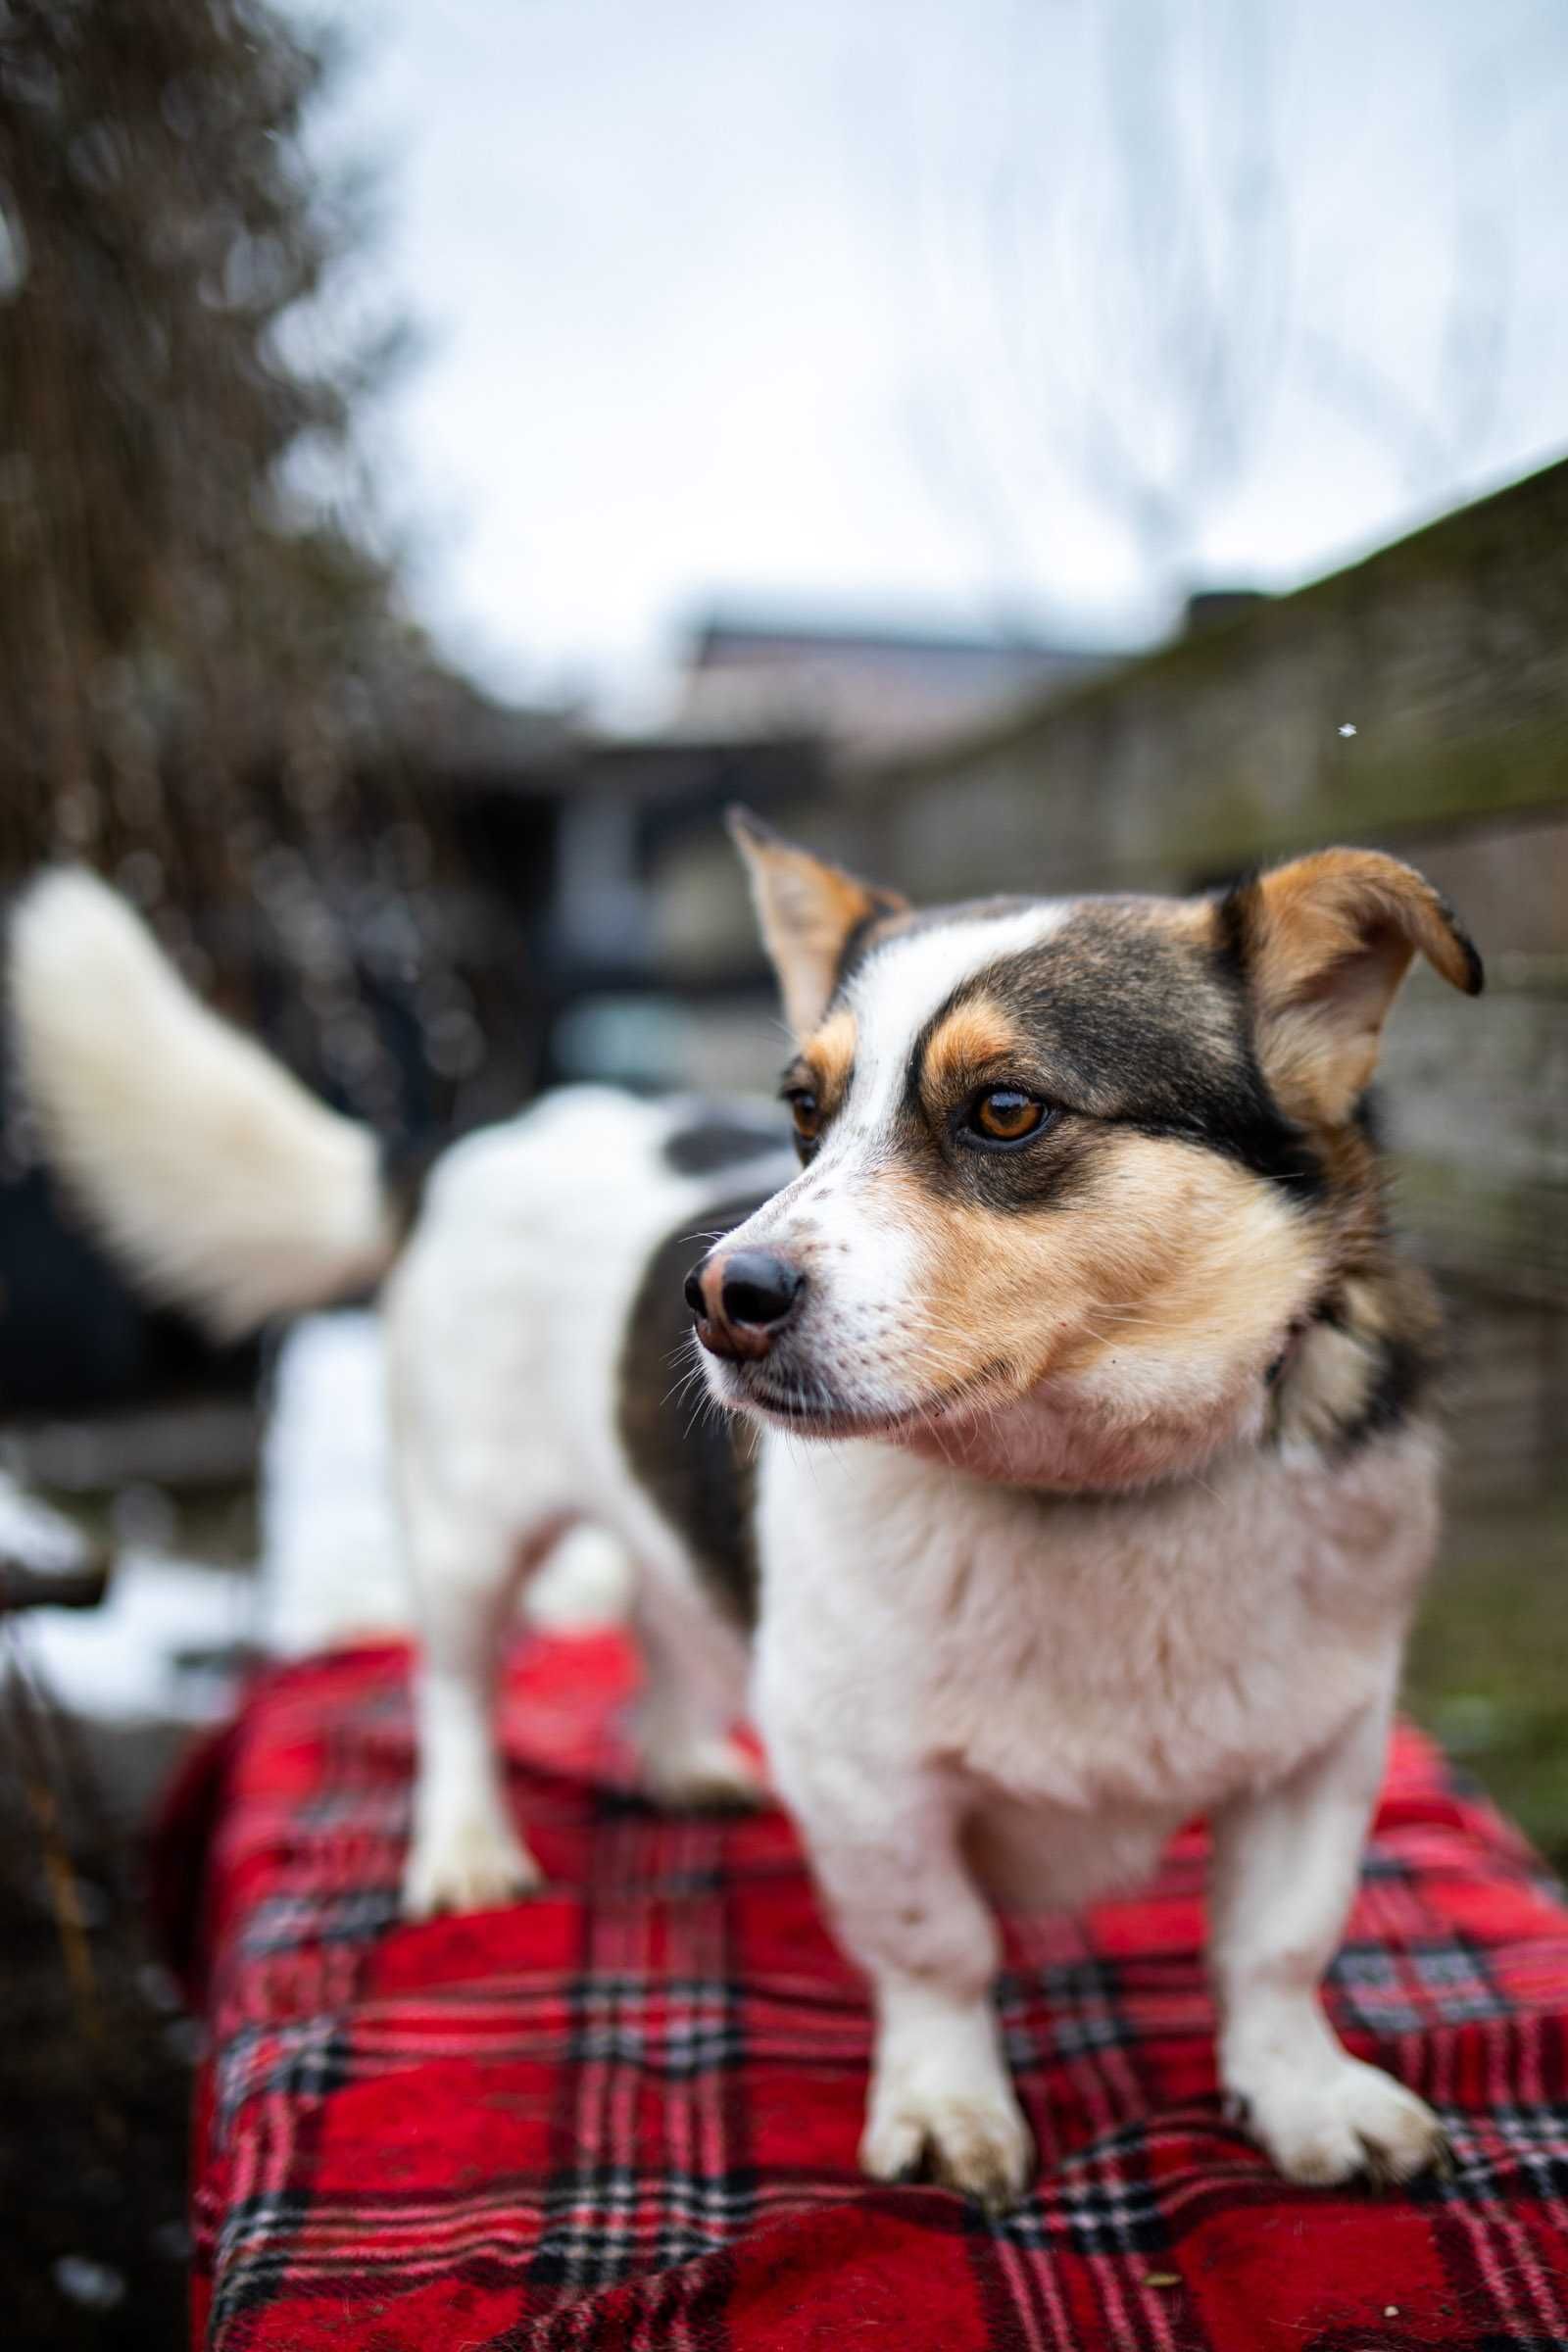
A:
(1128, 1021)
(859, 942)
(693, 1461)
(717, 1139)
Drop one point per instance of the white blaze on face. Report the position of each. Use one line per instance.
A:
(907, 982)
(859, 1338)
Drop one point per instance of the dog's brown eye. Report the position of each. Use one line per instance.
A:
(1006, 1117)
(808, 1114)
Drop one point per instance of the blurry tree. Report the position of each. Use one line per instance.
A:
(199, 660)
(1135, 302)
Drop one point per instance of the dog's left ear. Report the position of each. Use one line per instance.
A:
(808, 913)
(1325, 942)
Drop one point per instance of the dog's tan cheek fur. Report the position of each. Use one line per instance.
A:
(1170, 1249)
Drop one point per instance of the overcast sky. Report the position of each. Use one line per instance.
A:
(985, 310)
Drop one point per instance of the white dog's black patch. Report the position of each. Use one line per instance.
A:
(692, 1460)
(718, 1139)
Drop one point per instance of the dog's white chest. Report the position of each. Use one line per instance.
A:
(1142, 1657)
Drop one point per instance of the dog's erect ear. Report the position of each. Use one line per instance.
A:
(807, 911)
(1325, 942)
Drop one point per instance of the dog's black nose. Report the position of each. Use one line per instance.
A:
(758, 1288)
(752, 1291)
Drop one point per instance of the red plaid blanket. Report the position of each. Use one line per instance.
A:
(623, 2115)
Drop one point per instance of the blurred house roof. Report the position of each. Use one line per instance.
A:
(458, 735)
(864, 688)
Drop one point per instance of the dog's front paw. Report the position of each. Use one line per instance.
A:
(473, 1863)
(975, 2142)
(1326, 2123)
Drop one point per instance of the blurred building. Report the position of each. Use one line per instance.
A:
(864, 691)
(579, 913)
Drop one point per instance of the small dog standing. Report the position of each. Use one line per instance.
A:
(1077, 1471)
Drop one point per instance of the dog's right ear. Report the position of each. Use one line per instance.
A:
(807, 911)
(1325, 942)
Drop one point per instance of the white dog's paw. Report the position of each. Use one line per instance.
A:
(475, 1863)
(1322, 2124)
(705, 1774)
(975, 2142)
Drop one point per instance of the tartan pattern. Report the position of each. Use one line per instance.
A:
(623, 2115)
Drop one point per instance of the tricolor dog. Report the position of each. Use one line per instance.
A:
(1048, 1457)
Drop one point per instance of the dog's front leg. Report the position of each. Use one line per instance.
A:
(941, 2101)
(464, 1853)
(1285, 1871)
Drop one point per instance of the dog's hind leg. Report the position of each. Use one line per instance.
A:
(693, 1691)
(465, 1853)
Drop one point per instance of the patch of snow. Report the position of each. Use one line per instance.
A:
(331, 1567)
(42, 1540)
(158, 1648)
(331, 1564)
(169, 1640)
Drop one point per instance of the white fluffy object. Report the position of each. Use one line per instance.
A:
(218, 1182)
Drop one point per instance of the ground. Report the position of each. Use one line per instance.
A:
(96, 2057)
(95, 2063)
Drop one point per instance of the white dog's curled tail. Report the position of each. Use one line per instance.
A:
(213, 1178)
